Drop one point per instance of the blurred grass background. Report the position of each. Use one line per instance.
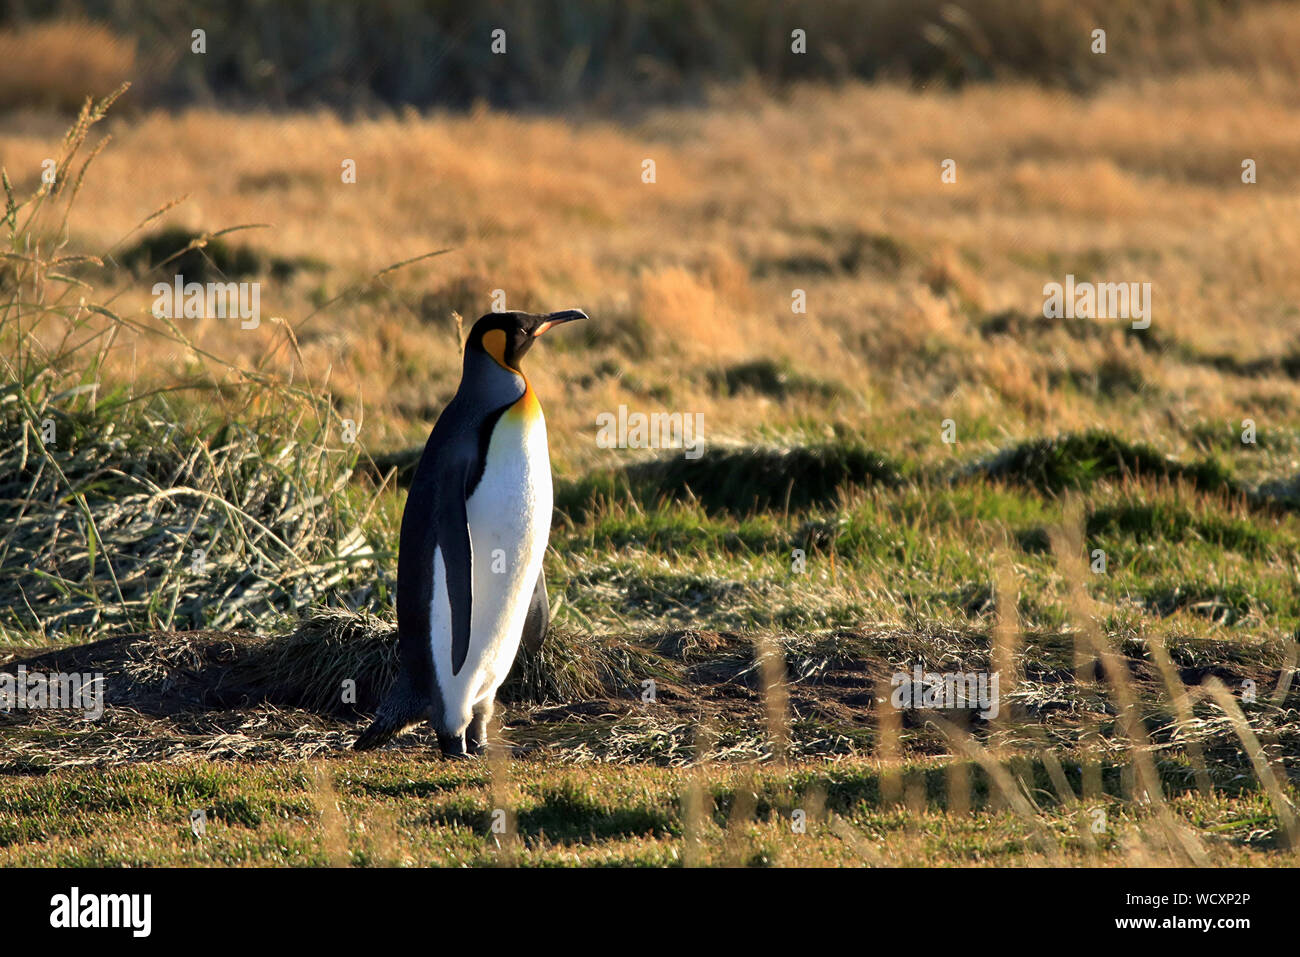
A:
(602, 55)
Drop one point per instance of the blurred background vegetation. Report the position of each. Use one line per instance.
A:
(598, 55)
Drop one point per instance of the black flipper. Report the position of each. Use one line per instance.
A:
(538, 621)
(457, 559)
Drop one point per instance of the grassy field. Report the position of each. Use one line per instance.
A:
(828, 538)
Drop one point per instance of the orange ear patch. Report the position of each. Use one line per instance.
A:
(494, 343)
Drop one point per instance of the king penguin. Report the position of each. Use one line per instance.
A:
(470, 586)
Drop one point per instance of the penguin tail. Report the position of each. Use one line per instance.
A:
(394, 716)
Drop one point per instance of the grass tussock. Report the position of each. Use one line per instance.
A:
(200, 258)
(1078, 461)
(128, 518)
(122, 508)
(736, 480)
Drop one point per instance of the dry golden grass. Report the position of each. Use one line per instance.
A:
(834, 192)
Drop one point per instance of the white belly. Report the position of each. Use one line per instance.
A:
(509, 523)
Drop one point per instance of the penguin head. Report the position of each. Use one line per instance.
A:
(506, 336)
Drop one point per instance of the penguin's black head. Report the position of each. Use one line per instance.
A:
(506, 336)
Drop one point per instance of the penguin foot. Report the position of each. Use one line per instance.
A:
(476, 736)
(452, 745)
(477, 732)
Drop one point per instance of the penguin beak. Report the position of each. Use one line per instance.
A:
(555, 318)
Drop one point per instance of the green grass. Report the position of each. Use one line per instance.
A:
(416, 811)
(927, 545)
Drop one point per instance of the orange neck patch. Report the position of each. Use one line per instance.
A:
(527, 407)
